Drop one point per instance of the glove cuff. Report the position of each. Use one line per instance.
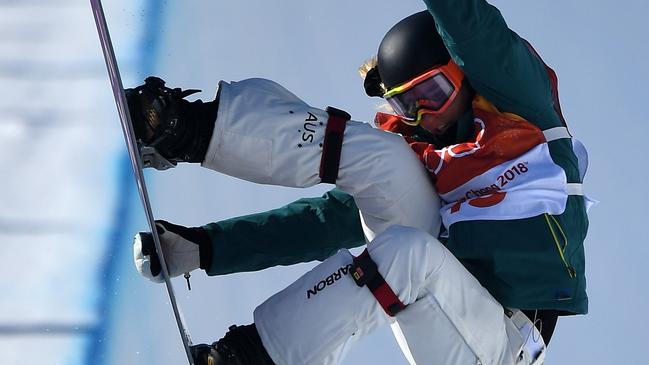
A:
(204, 248)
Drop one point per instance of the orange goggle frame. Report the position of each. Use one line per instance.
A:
(431, 92)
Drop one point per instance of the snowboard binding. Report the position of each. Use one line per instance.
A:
(168, 128)
(241, 345)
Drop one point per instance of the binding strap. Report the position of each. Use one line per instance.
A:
(332, 145)
(365, 272)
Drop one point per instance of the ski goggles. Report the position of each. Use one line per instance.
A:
(431, 92)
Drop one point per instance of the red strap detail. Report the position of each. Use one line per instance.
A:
(332, 145)
(388, 300)
(365, 273)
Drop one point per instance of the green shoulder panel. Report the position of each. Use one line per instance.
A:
(497, 62)
(302, 231)
(502, 67)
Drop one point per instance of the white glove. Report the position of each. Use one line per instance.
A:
(180, 246)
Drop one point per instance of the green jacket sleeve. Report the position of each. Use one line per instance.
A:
(497, 62)
(305, 230)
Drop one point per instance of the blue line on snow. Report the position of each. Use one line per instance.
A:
(115, 242)
(117, 236)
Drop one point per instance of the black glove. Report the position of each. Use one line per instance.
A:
(178, 129)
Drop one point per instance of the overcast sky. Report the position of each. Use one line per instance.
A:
(314, 50)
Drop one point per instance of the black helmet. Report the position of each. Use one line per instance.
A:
(411, 47)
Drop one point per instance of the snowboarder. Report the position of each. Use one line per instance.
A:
(480, 109)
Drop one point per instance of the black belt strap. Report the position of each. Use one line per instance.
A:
(332, 145)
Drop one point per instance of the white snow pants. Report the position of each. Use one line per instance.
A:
(265, 134)
(449, 319)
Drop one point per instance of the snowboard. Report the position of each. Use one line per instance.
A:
(140, 157)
